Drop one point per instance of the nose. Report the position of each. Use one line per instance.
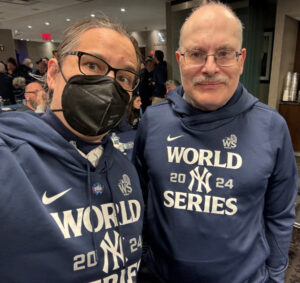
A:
(111, 74)
(210, 66)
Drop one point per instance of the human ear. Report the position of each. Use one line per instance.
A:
(243, 60)
(52, 73)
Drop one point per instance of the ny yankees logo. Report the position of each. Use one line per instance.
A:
(115, 250)
(203, 180)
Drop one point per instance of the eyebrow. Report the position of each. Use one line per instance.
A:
(222, 47)
(226, 46)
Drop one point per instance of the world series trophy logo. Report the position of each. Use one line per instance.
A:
(125, 185)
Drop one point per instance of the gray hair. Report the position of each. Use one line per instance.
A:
(72, 35)
(218, 4)
(2, 68)
(26, 61)
(19, 83)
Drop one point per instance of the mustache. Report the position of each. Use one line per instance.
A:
(210, 79)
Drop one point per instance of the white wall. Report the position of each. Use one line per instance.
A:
(151, 40)
(9, 47)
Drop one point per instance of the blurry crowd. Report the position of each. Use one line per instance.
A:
(153, 88)
(15, 77)
(21, 84)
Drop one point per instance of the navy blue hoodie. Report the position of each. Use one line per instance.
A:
(63, 220)
(220, 190)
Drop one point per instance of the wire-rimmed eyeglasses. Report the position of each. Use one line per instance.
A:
(223, 57)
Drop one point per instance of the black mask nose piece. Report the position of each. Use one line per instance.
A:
(93, 105)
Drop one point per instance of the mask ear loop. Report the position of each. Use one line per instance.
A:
(60, 69)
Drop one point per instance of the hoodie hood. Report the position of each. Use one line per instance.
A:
(191, 117)
(23, 127)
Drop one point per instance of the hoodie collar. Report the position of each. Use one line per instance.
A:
(240, 102)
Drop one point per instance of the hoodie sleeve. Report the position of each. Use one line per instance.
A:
(279, 212)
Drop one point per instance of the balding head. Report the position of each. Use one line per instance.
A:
(211, 58)
(214, 14)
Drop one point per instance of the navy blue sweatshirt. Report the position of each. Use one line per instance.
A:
(63, 220)
(220, 190)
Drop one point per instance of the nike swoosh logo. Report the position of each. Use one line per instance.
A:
(173, 139)
(48, 200)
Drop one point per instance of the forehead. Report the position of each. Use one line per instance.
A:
(34, 86)
(116, 48)
(211, 27)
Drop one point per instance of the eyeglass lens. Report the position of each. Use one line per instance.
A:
(90, 65)
(222, 57)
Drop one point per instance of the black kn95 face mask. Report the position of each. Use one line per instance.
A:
(93, 105)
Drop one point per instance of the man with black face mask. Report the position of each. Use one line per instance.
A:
(71, 205)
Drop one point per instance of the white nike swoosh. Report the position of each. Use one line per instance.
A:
(47, 200)
(173, 139)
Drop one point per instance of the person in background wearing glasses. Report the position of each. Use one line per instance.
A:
(36, 98)
(217, 166)
(71, 204)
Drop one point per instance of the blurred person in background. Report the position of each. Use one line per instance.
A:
(6, 87)
(12, 67)
(132, 116)
(28, 63)
(42, 67)
(19, 84)
(160, 76)
(26, 69)
(171, 85)
(146, 86)
(36, 98)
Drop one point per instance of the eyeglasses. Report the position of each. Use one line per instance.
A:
(92, 65)
(223, 57)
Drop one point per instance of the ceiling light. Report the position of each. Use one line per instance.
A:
(68, 20)
(123, 10)
(22, 39)
(93, 15)
(47, 23)
(16, 31)
(27, 39)
(52, 40)
(29, 26)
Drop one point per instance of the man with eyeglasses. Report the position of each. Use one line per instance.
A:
(217, 166)
(71, 204)
(36, 98)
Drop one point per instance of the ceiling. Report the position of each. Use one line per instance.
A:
(17, 15)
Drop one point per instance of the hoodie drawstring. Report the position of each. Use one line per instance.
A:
(92, 217)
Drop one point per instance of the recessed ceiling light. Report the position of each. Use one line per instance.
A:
(47, 23)
(93, 15)
(27, 39)
(29, 26)
(123, 10)
(68, 20)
